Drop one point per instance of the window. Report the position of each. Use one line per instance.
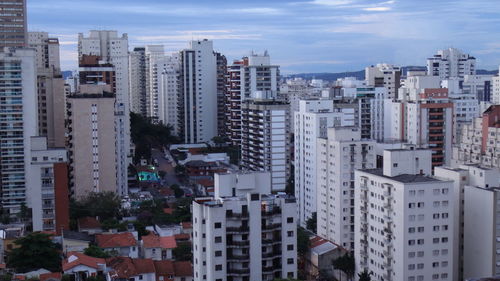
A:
(218, 267)
(289, 220)
(289, 233)
(435, 240)
(420, 241)
(435, 264)
(420, 266)
(444, 215)
(289, 261)
(411, 254)
(411, 267)
(435, 228)
(411, 242)
(420, 254)
(411, 230)
(444, 190)
(140, 277)
(218, 253)
(435, 253)
(217, 225)
(218, 239)
(421, 229)
(289, 247)
(444, 239)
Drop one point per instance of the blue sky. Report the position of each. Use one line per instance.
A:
(300, 35)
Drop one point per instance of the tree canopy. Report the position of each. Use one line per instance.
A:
(365, 275)
(96, 252)
(35, 251)
(183, 252)
(105, 205)
(345, 264)
(311, 223)
(303, 241)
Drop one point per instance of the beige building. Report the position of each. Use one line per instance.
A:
(51, 98)
(91, 141)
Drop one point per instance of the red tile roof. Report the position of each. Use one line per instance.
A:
(81, 259)
(168, 242)
(125, 267)
(50, 276)
(316, 241)
(182, 236)
(164, 267)
(183, 268)
(186, 224)
(151, 241)
(168, 211)
(116, 240)
(88, 223)
(206, 182)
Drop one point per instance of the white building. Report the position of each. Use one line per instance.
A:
(450, 63)
(42, 180)
(480, 86)
(244, 232)
(405, 224)
(311, 122)
(197, 100)
(384, 75)
(253, 77)
(475, 191)
(265, 140)
(114, 49)
(168, 88)
(338, 154)
(18, 123)
(495, 96)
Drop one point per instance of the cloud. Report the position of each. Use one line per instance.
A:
(377, 9)
(306, 62)
(190, 35)
(332, 2)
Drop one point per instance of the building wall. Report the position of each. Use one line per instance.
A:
(13, 29)
(92, 145)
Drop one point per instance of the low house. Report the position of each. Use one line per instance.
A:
(82, 266)
(198, 168)
(187, 227)
(158, 248)
(127, 269)
(73, 241)
(205, 186)
(167, 229)
(52, 276)
(322, 253)
(122, 244)
(89, 225)
(174, 271)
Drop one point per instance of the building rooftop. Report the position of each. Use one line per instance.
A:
(116, 240)
(404, 178)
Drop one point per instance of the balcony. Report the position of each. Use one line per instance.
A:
(238, 244)
(237, 258)
(237, 230)
(238, 271)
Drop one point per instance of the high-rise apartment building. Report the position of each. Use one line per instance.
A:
(495, 96)
(113, 49)
(92, 141)
(252, 77)
(384, 75)
(265, 139)
(137, 80)
(153, 53)
(339, 153)
(244, 232)
(197, 98)
(13, 24)
(168, 87)
(51, 97)
(221, 94)
(18, 122)
(476, 197)
(48, 186)
(478, 142)
(404, 226)
(371, 111)
(480, 86)
(451, 63)
(312, 122)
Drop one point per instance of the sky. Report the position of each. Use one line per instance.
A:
(300, 35)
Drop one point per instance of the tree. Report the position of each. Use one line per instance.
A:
(219, 141)
(96, 252)
(105, 205)
(345, 264)
(35, 251)
(303, 241)
(365, 275)
(312, 222)
(183, 252)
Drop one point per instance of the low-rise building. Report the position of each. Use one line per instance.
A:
(158, 248)
(82, 266)
(122, 244)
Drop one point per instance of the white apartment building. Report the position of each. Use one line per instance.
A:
(338, 155)
(265, 140)
(479, 141)
(244, 232)
(371, 103)
(450, 63)
(42, 183)
(404, 227)
(153, 53)
(384, 75)
(312, 120)
(137, 80)
(474, 189)
(495, 96)
(197, 97)
(113, 49)
(50, 88)
(17, 123)
(480, 86)
(253, 77)
(168, 88)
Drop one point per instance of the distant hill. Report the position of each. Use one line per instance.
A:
(361, 74)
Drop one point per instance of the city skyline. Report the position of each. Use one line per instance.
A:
(301, 36)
